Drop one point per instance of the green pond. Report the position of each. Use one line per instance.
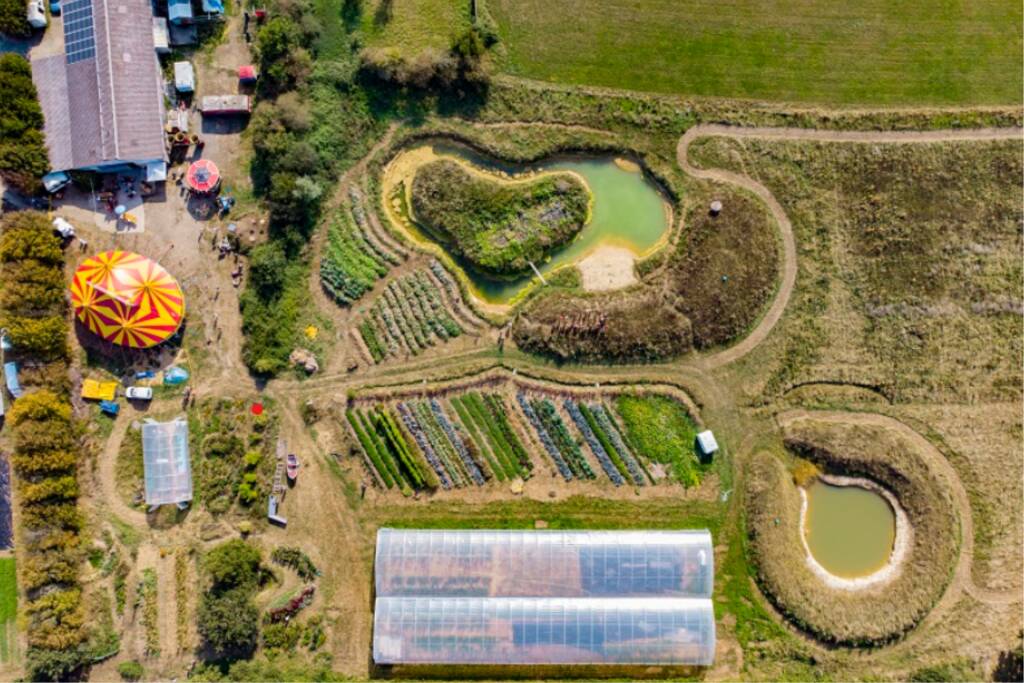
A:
(628, 211)
(849, 529)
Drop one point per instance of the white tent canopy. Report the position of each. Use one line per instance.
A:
(165, 458)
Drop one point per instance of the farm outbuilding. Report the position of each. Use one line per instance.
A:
(544, 597)
(165, 459)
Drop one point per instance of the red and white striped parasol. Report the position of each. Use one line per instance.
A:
(203, 176)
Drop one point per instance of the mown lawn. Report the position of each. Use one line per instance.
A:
(414, 25)
(8, 609)
(868, 52)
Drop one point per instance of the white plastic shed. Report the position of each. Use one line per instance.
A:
(706, 442)
(184, 77)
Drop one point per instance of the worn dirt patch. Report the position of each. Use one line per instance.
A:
(607, 268)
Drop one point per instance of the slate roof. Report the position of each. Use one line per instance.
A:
(107, 107)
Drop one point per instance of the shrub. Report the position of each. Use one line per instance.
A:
(252, 459)
(42, 337)
(29, 235)
(23, 156)
(234, 564)
(130, 670)
(266, 269)
(12, 19)
(281, 636)
(228, 623)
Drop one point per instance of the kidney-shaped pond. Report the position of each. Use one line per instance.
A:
(627, 209)
(850, 530)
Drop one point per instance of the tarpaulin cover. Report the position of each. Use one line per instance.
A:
(175, 375)
(127, 299)
(97, 390)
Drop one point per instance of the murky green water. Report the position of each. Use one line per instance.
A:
(628, 211)
(850, 530)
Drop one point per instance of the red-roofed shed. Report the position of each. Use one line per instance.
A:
(247, 73)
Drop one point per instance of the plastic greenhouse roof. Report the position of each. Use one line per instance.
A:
(508, 563)
(165, 457)
(544, 631)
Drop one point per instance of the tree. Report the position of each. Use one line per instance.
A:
(13, 21)
(228, 624)
(29, 235)
(231, 565)
(23, 156)
(266, 269)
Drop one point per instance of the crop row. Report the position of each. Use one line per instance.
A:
(350, 264)
(468, 439)
(359, 213)
(384, 442)
(562, 438)
(408, 315)
(464, 442)
(608, 432)
(610, 461)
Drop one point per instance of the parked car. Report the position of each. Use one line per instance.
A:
(139, 393)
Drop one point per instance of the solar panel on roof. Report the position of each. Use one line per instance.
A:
(79, 32)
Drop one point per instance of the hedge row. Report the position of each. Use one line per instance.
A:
(44, 440)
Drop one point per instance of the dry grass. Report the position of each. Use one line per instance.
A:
(632, 325)
(910, 275)
(983, 443)
(871, 615)
(724, 268)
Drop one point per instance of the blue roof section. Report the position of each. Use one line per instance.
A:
(11, 375)
(179, 11)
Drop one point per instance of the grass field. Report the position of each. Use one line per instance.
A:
(8, 609)
(865, 52)
(414, 25)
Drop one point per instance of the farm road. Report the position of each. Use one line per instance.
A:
(789, 264)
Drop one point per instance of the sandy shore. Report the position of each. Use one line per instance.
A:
(608, 267)
(900, 546)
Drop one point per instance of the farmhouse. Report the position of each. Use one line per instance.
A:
(102, 95)
(543, 597)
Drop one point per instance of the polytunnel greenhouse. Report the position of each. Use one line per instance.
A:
(544, 597)
(429, 563)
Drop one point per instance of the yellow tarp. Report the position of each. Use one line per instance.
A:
(101, 391)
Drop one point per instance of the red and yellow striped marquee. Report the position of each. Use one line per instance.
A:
(127, 299)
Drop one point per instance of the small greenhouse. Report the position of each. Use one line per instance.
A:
(507, 563)
(543, 597)
(645, 631)
(165, 459)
